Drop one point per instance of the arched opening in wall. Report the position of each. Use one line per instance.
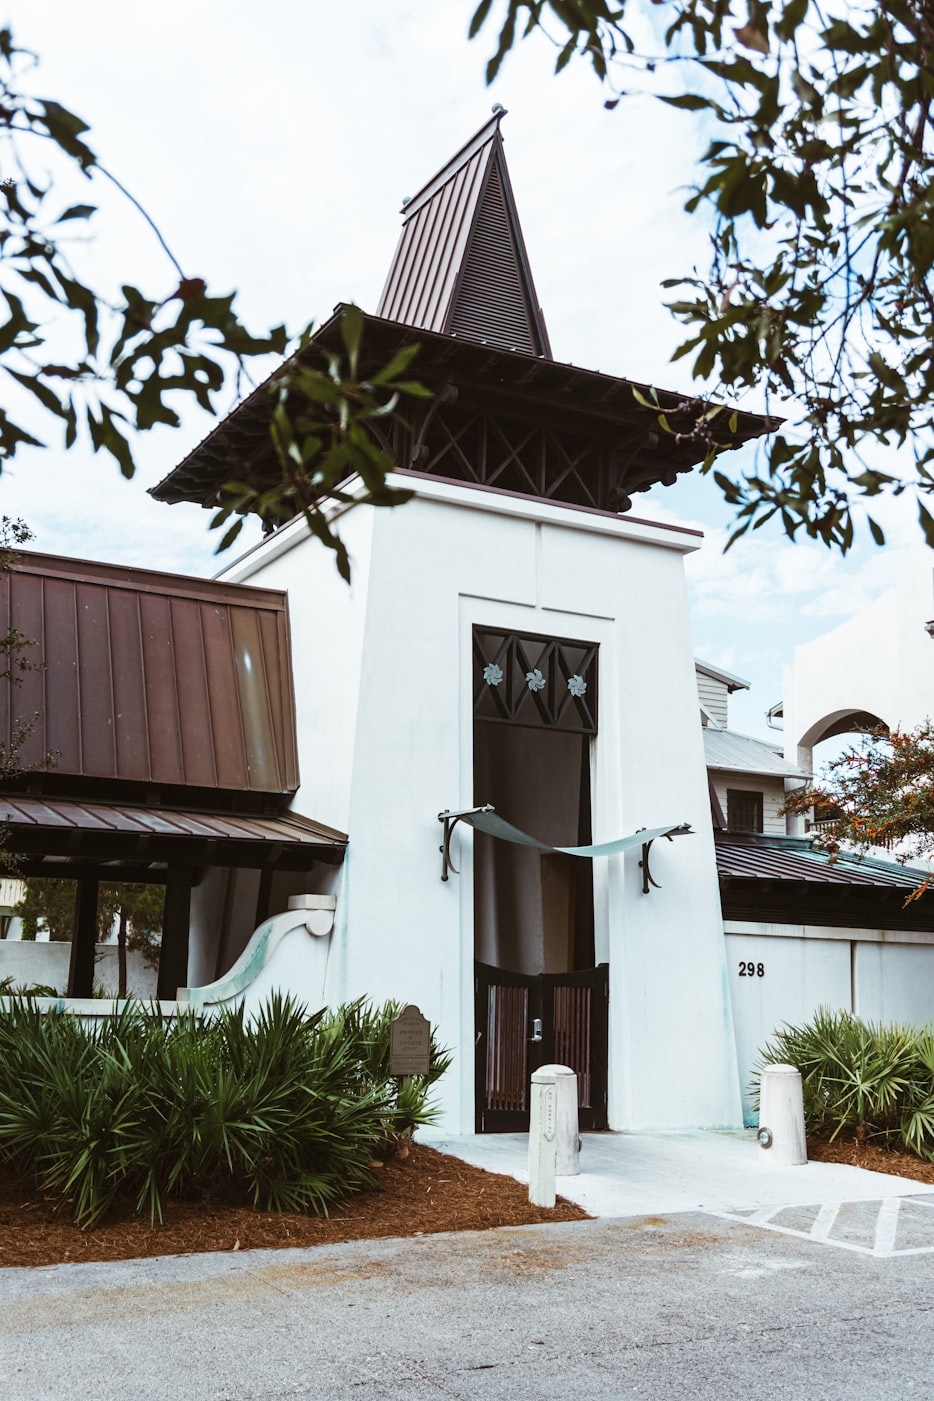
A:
(826, 740)
(841, 725)
(540, 999)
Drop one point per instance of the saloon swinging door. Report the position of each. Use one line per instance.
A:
(539, 998)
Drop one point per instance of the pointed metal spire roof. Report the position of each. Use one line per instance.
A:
(461, 268)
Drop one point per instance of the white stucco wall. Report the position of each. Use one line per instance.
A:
(384, 705)
(780, 974)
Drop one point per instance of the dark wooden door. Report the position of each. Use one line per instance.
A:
(523, 1022)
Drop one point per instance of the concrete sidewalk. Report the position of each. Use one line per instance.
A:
(646, 1174)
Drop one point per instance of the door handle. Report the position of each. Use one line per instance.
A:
(536, 1029)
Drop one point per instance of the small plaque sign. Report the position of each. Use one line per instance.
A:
(409, 1043)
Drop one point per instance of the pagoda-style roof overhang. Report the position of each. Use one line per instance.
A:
(498, 418)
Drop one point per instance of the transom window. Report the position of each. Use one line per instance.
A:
(542, 682)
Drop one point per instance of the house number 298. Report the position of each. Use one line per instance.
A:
(752, 970)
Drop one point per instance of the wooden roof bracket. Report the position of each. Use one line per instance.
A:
(447, 394)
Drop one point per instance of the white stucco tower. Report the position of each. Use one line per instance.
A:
(513, 636)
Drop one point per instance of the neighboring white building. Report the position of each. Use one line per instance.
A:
(749, 778)
(801, 930)
(876, 669)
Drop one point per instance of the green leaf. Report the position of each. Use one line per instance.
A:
(927, 523)
(478, 18)
(351, 333)
(230, 536)
(77, 211)
(42, 392)
(66, 129)
(688, 102)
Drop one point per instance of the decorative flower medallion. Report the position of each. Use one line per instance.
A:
(492, 674)
(577, 685)
(535, 680)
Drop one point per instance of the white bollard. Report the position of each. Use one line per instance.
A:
(543, 1139)
(567, 1136)
(781, 1137)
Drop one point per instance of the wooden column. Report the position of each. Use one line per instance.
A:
(176, 922)
(83, 939)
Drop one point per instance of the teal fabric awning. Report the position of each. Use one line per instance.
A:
(484, 819)
(494, 826)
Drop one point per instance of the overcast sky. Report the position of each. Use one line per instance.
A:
(274, 145)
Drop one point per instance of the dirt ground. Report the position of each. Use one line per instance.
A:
(423, 1191)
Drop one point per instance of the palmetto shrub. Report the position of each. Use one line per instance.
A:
(285, 1109)
(867, 1078)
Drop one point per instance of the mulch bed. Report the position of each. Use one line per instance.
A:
(423, 1191)
(871, 1156)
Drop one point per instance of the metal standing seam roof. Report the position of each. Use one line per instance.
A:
(461, 267)
(794, 859)
(239, 446)
(734, 753)
(26, 814)
(151, 677)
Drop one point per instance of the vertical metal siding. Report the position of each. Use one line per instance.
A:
(427, 262)
(165, 749)
(151, 678)
(62, 733)
(130, 710)
(196, 732)
(95, 690)
(226, 715)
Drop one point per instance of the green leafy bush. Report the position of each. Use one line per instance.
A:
(866, 1078)
(285, 1109)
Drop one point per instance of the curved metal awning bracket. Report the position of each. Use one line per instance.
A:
(450, 820)
(648, 880)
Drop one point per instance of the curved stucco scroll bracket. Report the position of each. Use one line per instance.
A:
(278, 957)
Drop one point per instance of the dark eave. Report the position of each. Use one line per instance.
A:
(783, 880)
(526, 386)
(81, 832)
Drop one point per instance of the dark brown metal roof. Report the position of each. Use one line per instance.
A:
(83, 831)
(151, 678)
(461, 267)
(766, 858)
(521, 386)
